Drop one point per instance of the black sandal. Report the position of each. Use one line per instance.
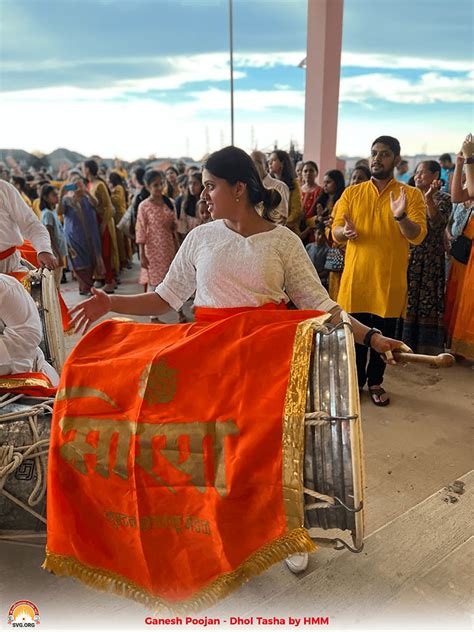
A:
(378, 391)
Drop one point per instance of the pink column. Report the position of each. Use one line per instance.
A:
(323, 65)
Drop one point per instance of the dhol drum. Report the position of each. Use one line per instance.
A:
(333, 464)
(44, 293)
(25, 429)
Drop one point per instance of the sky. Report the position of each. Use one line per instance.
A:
(132, 78)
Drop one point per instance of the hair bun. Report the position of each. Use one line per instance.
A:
(271, 199)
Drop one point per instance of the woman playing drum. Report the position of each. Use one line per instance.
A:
(239, 260)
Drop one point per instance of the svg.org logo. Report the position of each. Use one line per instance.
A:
(23, 614)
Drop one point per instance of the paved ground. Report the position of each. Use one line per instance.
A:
(416, 568)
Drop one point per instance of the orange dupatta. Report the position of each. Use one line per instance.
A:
(175, 468)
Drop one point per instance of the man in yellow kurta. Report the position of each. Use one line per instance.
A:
(378, 219)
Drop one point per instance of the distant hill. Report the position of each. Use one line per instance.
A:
(60, 156)
(22, 157)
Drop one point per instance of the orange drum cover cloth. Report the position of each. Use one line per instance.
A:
(175, 467)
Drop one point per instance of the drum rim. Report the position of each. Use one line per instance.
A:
(338, 477)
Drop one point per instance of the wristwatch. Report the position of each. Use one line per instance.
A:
(368, 336)
(469, 161)
(402, 216)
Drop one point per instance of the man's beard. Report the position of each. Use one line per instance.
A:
(382, 175)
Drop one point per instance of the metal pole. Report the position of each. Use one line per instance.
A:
(231, 51)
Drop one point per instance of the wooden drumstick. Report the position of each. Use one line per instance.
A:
(442, 360)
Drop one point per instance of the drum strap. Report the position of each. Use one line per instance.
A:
(7, 253)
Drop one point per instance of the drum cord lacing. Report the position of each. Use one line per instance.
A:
(11, 457)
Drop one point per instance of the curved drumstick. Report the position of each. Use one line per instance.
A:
(442, 360)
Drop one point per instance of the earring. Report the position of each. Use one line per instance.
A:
(237, 199)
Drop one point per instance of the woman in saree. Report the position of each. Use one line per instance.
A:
(82, 234)
(238, 261)
(105, 216)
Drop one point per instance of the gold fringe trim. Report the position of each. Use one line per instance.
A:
(293, 429)
(9, 382)
(296, 541)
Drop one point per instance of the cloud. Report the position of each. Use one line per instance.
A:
(430, 88)
(370, 60)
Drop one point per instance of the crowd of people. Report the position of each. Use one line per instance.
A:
(392, 248)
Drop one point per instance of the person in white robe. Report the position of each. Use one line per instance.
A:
(17, 223)
(20, 332)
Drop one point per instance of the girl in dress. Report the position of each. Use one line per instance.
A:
(282, 168)
(188, 218)
(310, 192)
(156, 233)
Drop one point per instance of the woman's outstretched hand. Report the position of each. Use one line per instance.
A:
(88, 311)
(385, 346)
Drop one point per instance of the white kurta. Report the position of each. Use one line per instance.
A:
(20, 332)
(17, 223)
(228, 270)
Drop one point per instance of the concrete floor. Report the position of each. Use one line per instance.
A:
(416, 568)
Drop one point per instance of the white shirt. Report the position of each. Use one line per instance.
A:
(20, 332)
(18, 222)
(228, 270)
(279, 215)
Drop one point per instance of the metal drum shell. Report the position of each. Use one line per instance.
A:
(44, 293)
(333, 463)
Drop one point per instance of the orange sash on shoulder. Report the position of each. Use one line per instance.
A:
(28, 252)
(175, 468)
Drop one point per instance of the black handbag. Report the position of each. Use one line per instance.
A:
(461, 249)
(461, 246)
(334, 260)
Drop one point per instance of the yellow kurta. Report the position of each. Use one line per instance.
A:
(295, 209)
(118, 201)
(36, 208)
(106, 214)
(374, 279)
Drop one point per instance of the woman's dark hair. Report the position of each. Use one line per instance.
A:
(312, 163)
(139, 175)
(151, 176)
(94, 169)
(338, 179)
(365, 170)
(45, 191)
(234, 165)
(115, 180)
(92, 166)
(21, 182)
(432, 166)
(190, 201)
(168, 187)
(288, 174)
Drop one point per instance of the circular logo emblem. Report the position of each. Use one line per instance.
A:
(24, 612)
